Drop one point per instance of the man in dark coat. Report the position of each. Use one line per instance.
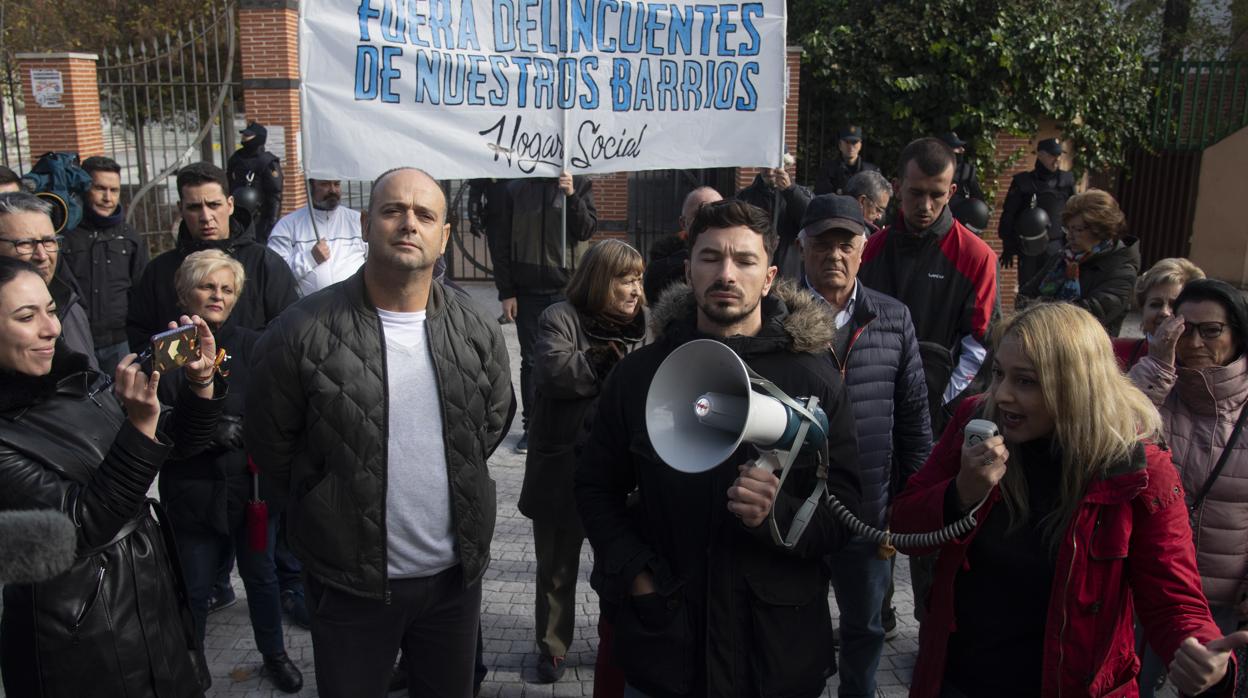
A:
(876, 351)
(836, 173)
(707, 604)
(206, 224)
(964, 176)
(775, 192)
(253, 166)
(668, 255)
(1045, 186)
(372, 409)
(106, 257)
(544, 226)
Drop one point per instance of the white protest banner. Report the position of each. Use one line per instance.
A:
(519, 88)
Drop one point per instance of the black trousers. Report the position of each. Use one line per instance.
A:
(432, 619)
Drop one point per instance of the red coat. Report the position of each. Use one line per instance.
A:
(1129, 350)
(1128, 550)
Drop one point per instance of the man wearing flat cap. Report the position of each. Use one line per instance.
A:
(1046, 187)
(835, 174)
(876, 351)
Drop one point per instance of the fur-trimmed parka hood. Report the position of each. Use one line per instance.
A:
(792, 320)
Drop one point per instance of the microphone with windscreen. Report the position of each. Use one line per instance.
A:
(35, 545)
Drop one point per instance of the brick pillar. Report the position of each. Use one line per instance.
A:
(611, 198)
(269, 34)
(68, 121)
(793, 67)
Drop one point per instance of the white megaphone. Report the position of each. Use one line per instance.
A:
(702, 405)
(704, 402)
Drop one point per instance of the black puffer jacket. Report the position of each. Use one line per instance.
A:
(1106, 283)
(317, 426)
(888, 392)
(206, 493)
(107, 257)
(574, 355)
(735, 614)
(115, 624)
(269, 289)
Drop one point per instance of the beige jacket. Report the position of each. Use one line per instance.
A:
(1199, 409)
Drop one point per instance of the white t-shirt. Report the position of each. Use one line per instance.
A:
(420, 540)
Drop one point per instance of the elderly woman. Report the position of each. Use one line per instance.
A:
(115, 623)
(1097, 268)
(1079, 526)
(206, 494)
(1196, 372)
(579, 341)
(1154, 295)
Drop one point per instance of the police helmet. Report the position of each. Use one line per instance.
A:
(973, 214)
(247, 198)
(1032, 226)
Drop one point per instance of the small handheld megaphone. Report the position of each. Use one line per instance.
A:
(704, 402)
(703, 405)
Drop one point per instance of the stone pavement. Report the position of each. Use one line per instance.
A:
(507, 605)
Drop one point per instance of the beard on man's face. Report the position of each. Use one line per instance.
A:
(723, 315)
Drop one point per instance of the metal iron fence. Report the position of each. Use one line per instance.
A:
(655, 198)
(1197, 103)
(14, 141)
(165, 103)
(467, 254)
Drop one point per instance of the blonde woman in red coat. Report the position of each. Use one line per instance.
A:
(1082, 526)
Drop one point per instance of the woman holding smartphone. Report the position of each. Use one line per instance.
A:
(116, 623)
(1081, 525)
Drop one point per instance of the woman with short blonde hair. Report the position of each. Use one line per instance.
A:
(199, 265)
(1080, 525)
(1155, 293)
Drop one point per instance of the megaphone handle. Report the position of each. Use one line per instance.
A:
(768, 459)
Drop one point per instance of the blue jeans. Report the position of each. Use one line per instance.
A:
(1151, 666)
(860, 581)
(202, 554)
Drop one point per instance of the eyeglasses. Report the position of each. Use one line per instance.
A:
(27, 246)
(1207, 330)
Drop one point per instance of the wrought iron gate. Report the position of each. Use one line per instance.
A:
(14, 143)
(164, 104)
(655, 198)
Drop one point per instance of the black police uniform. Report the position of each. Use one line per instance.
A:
(1051, 190)
(253, 166)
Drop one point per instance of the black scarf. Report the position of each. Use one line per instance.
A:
(98, 222)
(18, 390)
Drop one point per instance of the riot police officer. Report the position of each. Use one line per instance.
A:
(253, 167)
(963, 173)
(1046, 187)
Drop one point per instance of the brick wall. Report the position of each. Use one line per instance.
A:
(1007, 145)
(270, 54)
(611, 198)
(75, 126)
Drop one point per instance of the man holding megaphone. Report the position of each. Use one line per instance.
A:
(705, 598)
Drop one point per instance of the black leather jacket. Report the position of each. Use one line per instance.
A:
(116, 623)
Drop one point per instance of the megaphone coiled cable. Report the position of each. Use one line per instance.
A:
(905, 541)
